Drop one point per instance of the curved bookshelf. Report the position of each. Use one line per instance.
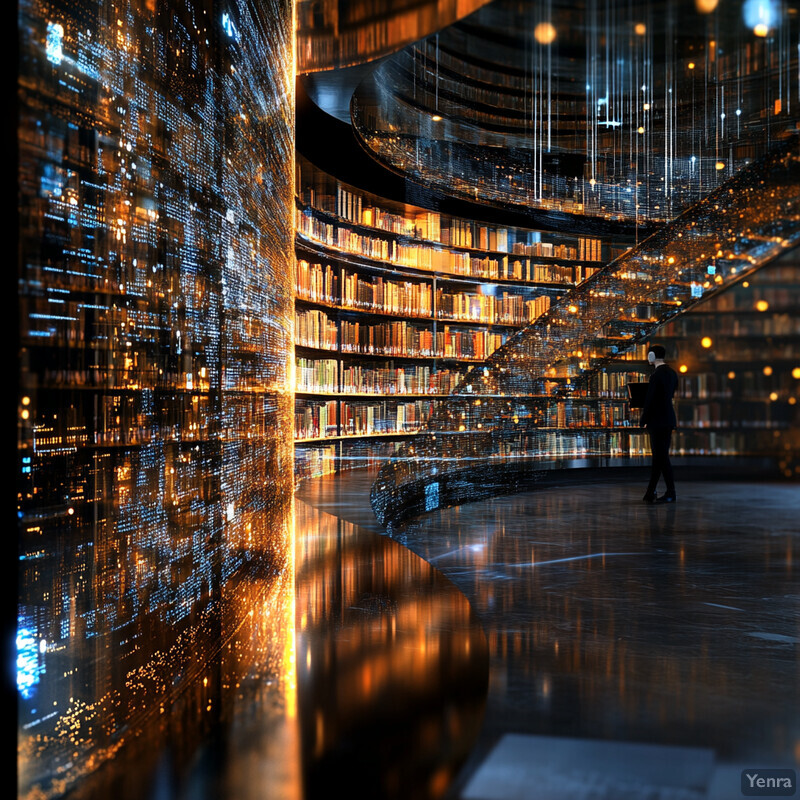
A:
(394, 303)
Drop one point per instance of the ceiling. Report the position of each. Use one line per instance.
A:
(619, 111)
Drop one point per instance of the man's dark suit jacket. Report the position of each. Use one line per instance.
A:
(658, 411)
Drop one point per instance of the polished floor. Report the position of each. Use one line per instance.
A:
(610, 621)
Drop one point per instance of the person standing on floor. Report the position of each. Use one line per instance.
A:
(658, 417)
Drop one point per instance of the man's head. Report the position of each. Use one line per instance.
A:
(656, 353)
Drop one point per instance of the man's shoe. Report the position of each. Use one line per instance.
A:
(650, 498)
(666, 498)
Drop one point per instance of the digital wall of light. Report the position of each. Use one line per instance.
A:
(156, 319)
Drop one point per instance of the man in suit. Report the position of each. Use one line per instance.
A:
(658, 416)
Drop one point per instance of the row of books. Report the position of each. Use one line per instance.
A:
(568, 443)
(489, 267)
(703, 385)
(407, 380)
(415, 299)
(317, 420)
(317, 375)
(586, 250)
(566, 415)
(399, 418)
(557, 444)
(408, 298)
(421, 225)
(316, 461)
(402, 338)
(315, 328)
(463, 233)
(317, 282)
(320, 283)
(432, 258)
(512, 309)
(336, 418)
(615, 384)
(458, 232)
(321, 375)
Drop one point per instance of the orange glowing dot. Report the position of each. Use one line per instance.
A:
(70, 511)
(762, 305)
(746, 284)
(792, 401)
(641, 130)
(640, 29)
(670, 260)
(462, 427)
(646, 106)
(761, 30)
(768, 371)
(691, 65)
(796, 373)
(544, 33)
(573, 309)
(705, 6)
(683, 368)
(706, 341)
(25, 413)
(436, 118)
(720, 165)
(773, 396)
(26, 401)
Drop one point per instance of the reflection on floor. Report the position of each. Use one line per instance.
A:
(615, 621)
(362, 672)
(392, 665)
(228, 730)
